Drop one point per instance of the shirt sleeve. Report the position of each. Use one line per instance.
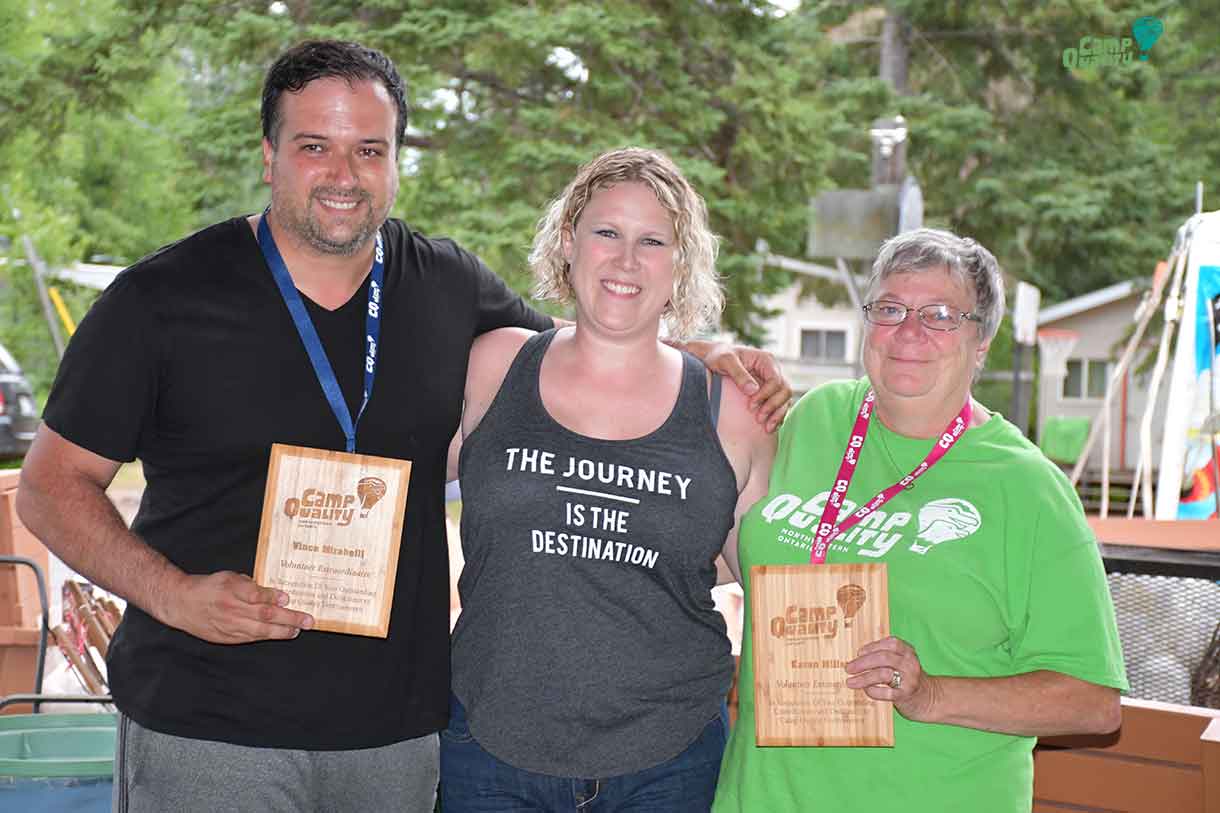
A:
(501, 306)
(1067, 624)
(105, 388)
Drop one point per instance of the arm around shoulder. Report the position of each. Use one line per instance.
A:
(754, 372)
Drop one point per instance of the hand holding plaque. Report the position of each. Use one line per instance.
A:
(331, 529)
(808, 621)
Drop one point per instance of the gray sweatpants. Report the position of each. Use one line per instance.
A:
(155, 773)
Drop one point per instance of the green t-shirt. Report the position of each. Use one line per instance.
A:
(993, 571)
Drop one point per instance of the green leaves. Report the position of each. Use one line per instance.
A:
(127, 123)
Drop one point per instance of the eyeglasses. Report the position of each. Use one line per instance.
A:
(933, 317)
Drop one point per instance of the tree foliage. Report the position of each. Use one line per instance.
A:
(508, 99)
(127, 123)
(92, 165)
(1076, 179)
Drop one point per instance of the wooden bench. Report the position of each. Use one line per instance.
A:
(1164, 759)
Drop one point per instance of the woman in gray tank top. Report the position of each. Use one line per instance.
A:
(600, 483)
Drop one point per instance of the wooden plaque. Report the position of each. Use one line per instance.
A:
(331, 529)
(808, 621)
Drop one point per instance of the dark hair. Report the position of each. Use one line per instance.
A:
(329, 59)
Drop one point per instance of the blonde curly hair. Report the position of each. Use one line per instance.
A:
(696, 300)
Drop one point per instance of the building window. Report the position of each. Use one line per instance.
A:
(824, 345)
(1086, 378)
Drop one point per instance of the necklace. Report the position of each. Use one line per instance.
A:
(881, 433)
(828, 527)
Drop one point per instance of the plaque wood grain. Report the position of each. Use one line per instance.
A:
(330, 535)
(808, 621)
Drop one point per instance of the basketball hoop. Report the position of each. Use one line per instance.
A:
(1054, 347)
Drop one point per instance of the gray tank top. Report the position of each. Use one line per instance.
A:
(588, 644)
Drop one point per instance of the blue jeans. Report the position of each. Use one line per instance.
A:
(474, 781)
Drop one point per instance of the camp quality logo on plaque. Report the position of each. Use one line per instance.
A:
(808, 622)
(331, 529)
(316, 506)
(801, 623)
(851, 598)
(370, 490)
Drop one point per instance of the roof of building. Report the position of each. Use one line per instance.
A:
(1093, 299)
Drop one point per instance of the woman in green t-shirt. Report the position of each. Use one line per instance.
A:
(1002, 624)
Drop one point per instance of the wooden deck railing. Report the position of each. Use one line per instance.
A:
(1164, 759)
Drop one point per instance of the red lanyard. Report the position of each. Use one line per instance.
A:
(851, 455)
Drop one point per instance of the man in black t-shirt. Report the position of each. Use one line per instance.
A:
(191, 362)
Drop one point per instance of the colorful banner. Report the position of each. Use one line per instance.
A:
(1188, 479)
(1197, 498)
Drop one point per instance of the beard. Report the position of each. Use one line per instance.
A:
(303, 223)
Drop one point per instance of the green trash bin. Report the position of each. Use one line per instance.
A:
(57, 762)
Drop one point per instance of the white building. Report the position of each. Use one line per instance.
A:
(814, 343)
(1102, 321)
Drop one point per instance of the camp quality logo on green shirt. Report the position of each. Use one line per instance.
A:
(944, 520)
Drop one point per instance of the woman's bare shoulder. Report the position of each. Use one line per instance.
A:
(738, 423)
(490, 357)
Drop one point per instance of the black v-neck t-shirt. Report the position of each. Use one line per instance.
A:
(190, 362)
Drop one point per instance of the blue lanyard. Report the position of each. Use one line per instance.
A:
(309, 334)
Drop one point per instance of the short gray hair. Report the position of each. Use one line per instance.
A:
(966, 259)
(696, 300)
